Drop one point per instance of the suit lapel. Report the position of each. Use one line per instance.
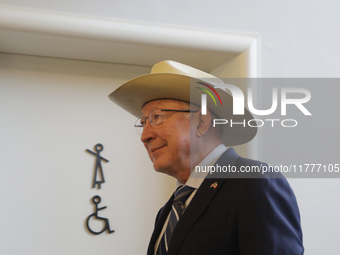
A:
(199, 203)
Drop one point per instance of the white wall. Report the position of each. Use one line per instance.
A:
(52, 110)
(297, 39)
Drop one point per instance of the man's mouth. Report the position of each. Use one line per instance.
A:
(156, 148)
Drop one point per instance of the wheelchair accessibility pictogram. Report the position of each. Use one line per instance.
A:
(96, 200)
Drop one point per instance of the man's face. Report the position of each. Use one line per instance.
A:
(168, 144)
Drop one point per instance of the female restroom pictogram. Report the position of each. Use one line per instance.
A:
(98, 179)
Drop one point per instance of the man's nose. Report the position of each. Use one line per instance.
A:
(148, 132)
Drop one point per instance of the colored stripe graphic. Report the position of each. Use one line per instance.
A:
(206, 91)
(213, 91)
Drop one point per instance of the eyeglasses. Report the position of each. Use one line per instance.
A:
(155, 119)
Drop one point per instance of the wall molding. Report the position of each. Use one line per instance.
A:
(54, 34)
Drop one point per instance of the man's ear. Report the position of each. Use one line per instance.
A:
(204, 122)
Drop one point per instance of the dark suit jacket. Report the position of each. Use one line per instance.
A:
(240, 216)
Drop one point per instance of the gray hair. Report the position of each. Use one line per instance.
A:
(218, 128)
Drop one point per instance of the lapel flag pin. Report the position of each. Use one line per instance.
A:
(214, 185)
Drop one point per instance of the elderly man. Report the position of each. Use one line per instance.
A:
(206, 214)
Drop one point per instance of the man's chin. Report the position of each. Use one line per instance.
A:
(160, 168)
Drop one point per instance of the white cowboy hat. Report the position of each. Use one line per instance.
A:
(172, 80)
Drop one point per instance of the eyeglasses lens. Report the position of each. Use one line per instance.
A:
(155, 119)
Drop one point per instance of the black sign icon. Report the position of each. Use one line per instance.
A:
(99, 147)
(96, 200)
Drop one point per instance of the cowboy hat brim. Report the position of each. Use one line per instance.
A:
(134, 94)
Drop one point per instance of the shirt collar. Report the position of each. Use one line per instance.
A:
(196, 178)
